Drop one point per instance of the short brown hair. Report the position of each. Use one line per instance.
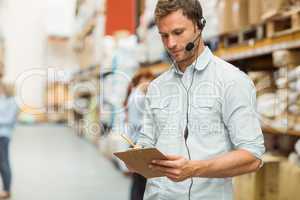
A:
(191, 9)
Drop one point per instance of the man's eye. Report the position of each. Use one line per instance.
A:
(178, 32)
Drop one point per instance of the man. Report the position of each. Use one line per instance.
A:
(200, 113)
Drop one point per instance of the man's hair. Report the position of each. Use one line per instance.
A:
(191, 9)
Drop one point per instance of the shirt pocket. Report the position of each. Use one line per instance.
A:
(206, 105)
(161, 112)
(207, 127)
(206, 115)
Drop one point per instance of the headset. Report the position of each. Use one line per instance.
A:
(189, 48)
(191, 45)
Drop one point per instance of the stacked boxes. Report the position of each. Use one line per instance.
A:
(273, 7)
(278, 179)
(232, 15)
(56, 101)
(289, 181)
(255, 12)
(236, 15)
(225, 16)
(278, 93)
(263, 184)
(294, 96)
(266, 93)
(240, 18)
(209, 12)
(288, 84)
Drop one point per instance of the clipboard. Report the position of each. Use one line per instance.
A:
(139, 159)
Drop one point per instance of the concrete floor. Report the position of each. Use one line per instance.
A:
(51, 163)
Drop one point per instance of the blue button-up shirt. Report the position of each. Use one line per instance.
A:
(221, 112)
(136, 107)
(8, 115)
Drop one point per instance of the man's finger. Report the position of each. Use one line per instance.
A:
(172, 178)
(165, 170)
(173, 157)
(165, 163)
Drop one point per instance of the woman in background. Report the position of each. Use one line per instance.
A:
(135, 104)
(8, 116)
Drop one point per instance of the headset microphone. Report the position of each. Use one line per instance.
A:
(191, 45)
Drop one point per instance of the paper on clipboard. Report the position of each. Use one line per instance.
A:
(139, 160)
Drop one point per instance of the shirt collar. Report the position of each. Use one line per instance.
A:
(201, 62)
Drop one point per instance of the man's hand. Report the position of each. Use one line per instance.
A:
(176, 168)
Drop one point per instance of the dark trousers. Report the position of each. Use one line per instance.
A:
(5, 170)
(138, 187)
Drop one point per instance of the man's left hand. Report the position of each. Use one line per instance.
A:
(176, 168)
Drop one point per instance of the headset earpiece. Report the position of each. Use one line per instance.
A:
(191, 45)
(202, 23)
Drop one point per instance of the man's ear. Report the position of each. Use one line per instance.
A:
(196, 28)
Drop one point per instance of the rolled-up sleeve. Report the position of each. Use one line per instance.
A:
(241, 117)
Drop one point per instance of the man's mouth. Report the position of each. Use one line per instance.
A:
(175, 52)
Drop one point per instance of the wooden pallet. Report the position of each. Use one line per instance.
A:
(285, 23)
(246, 36)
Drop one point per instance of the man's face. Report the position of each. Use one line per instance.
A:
(177, 31)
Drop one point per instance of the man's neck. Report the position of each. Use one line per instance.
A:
(183, 65)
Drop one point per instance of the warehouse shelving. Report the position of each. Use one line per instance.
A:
(255, 52)
(88, 28)
(87, 73)
(276, 131)
(57, 99)
(85, 83)
(259, 48)
(85, 88)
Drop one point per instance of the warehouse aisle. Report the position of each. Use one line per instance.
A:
(50, 162)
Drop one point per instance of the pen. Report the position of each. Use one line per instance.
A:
(128, 141)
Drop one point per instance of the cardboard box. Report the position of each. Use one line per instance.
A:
(289, 181)
(209, 11)
(240, 18)
(261, 185)
(263, 81)
(57, 95)
(286, 58)
(255, 12)
(272, 7)
(248, 186)
(225, 16)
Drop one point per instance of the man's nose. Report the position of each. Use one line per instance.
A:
(171, 43)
